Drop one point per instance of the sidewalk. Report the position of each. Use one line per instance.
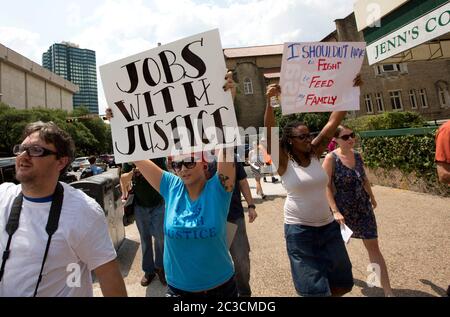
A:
(413, 232)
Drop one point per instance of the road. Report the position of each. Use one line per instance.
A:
(413, 232)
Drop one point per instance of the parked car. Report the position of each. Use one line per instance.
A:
(8, 170)
(108, 159)
(80, 162)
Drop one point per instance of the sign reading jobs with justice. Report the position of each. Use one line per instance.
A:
(318, 77)
(169, 100)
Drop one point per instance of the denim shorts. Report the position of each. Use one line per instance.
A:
(226, 290)
(318, 258)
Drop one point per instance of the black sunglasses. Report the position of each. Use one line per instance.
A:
(345, 137)
(302, 136)
(32, 150)
(189, 164)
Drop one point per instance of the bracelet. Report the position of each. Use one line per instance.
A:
(251, 206)
(334, 211)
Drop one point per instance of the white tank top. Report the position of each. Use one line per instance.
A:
(306, 201)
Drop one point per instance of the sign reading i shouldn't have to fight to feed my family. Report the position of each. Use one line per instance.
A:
(318, 77)
(170, 100)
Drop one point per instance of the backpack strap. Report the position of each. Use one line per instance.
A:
(11, 227)
(52, 226)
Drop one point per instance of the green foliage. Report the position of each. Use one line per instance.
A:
(409, 153)
(91, 136)
(314, 121)
(387, 120)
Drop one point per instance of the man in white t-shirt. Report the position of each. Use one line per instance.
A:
(81, 243)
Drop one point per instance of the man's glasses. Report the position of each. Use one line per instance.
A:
(302, 136)
(177, 166)
(345, 137)
(32, 150)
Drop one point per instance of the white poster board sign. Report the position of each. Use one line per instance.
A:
(318, 77)
(169, 100)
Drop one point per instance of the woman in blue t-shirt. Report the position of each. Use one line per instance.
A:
(197, 262)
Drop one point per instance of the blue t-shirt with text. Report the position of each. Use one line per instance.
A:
(196, 255)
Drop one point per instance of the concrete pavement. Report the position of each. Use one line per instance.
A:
(413, 232)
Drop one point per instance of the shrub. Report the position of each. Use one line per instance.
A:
(387, 120)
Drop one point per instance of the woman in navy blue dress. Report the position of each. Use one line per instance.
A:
(351, 198)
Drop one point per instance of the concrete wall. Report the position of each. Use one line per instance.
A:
(13, 86)
(25, 84)
(36, 92)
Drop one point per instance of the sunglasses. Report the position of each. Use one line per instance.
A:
(177, 166)
(302, 136)
(32, 150)
(345, 137)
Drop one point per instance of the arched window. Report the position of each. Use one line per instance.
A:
(248, 86)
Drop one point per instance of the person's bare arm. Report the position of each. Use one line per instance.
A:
(368, 187)
(326, 134)
(245, 190)
(111, 280)
(321, 141)
(328, 167)
(152, 173)
(282, 158)
(443, 171)
(226, 168)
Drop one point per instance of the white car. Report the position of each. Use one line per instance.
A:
(80, 162)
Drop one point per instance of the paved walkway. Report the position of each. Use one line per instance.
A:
(414, 238)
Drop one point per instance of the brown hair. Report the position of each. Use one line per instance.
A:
(340, 128)
(51, 133)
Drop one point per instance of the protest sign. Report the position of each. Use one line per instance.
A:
(169, 100)
(318, 77)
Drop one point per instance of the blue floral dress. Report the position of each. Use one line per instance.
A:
(352, 199)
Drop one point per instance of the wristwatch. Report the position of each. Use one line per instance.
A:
(251, 206)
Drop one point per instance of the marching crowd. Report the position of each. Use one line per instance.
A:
(46, 226)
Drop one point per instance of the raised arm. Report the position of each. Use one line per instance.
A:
(226, 168)
(152, 172)
(279, 155)
(321, 141)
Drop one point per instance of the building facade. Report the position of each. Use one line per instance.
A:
(78, 66)
(25, 84)
(253, 69)
(417, 85)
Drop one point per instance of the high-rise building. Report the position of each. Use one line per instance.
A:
(78, 66)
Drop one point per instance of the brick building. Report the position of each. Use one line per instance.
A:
(392, 85)
(254, 68)
(419, 86)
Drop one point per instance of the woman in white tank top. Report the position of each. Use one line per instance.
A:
(320, 264)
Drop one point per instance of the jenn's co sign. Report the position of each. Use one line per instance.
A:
(428, 27)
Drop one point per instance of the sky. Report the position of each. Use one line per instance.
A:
(116, 29)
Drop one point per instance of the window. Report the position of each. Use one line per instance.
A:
(369, 104)
(380, 102)
(390, 68)
(423, 98)
(413, 99)
(396, 100)
(442, 94)
(248, 87)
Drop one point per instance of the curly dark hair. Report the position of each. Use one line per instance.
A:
(287, 133)
(51, 133)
